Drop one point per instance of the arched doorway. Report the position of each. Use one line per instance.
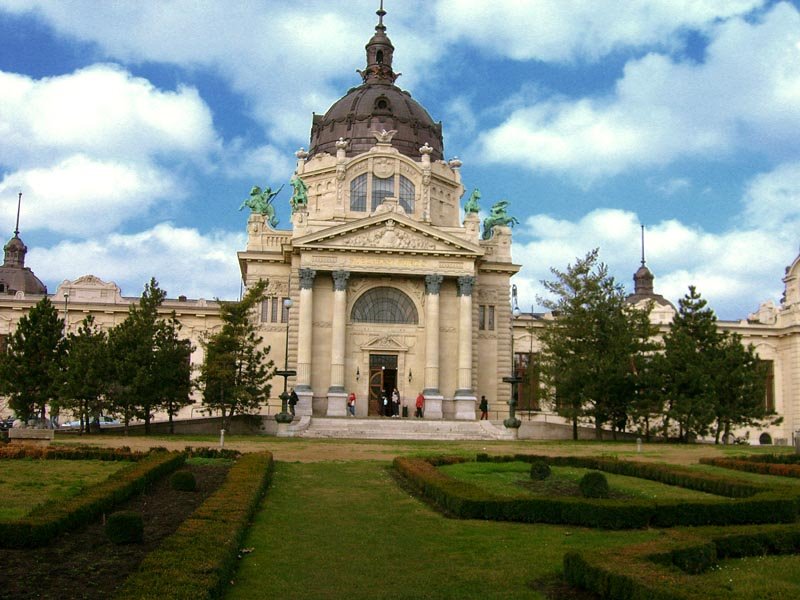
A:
(382, 380)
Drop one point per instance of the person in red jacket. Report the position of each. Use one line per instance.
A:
(351, 404)
(420, 405)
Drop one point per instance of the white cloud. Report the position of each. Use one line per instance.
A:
(745, 95)
(559, 31)
(774, 198)
(183, 260)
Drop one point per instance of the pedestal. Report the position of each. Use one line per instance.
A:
(433, 407)
(464, 408)
(36, 437)
(337, 404)
(304, 399)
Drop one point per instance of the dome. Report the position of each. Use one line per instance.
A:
(377, 105)
(14, 275)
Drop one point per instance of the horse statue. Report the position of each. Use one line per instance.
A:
(300, 194)
(471, 205)
(497, 216)
(260, 202)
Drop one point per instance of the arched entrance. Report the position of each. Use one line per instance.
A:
(382, 380)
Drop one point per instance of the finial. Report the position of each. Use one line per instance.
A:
(643, 262)
(19, 203)
(380, 12)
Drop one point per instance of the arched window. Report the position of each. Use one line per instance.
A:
(381, 188)
(358, 193)
(385, 305)
(406, 197)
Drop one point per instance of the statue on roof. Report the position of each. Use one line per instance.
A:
(260, 202)
(472, 204)
(300, 194)
(498, 216)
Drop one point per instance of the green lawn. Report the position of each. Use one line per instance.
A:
(25, 483)
(346, 530)
(513, 479)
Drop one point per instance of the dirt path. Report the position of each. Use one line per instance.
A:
(315, 450)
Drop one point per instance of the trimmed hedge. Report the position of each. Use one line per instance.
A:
(15, 452)
(593, 485)
(183, 481)
(465, 500)
(125, 527)
(52, 518)
(647, 570)
(784, 469)
(199, 559)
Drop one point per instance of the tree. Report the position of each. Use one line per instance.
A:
(174, 370)
(590, 347)
(739, 388)
(30, 371)
(235, 375)
(688, 367)
(84, 382)
(134, 371)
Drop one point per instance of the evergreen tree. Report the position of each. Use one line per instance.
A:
(85, 373)
(30, 371)
(590, 347)
(174, 368)
(688, 367)
(235, 375)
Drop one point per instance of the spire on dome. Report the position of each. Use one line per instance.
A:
(379, 55)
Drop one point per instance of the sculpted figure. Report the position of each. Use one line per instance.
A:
(261, 202)
(300, 194)
(472, 204)
(497, 216)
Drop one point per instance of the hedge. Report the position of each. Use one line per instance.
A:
(22, 451)
(199, 559)
(784, 469)
(52, 518)
(647, 570)
(465, 500)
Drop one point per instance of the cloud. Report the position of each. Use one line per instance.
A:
(773, 198)
(558, 31)
(744, 96)
(183, 260)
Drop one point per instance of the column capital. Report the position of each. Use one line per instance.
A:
(433, 283)
(465, 283)
(307, 278)
(340, 280)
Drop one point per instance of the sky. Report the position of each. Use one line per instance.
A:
(136, 129)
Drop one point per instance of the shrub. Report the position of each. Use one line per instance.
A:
(540, 470)
(125, 527)
(594, 485)
(183, 481)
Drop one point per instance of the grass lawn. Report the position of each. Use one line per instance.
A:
(513, 479)
(25, 483)
(346, 530)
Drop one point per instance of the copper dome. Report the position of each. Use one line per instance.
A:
(377, 105)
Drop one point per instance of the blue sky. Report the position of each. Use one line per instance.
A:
(135, 129)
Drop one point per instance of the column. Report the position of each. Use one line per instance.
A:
(304, 327)
(464, 397)
(433, 397)
(337, 398)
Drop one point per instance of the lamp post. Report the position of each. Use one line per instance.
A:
(512, 422)
(66, 313)
(285, 416)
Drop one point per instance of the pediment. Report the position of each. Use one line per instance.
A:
(388, 233)
(385, 343)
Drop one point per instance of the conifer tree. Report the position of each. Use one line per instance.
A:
(84, 383)
(30, 371)
(174, 371)
(235, 375)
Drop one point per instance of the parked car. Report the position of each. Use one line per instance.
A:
(105, 421)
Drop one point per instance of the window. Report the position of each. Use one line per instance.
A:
(486, 317)
(284, 311)
(769, 383)
(526, 367)
(384, 305)
(270, 308)
(381, 188)
(3, 344)
(358, 193)
(406, 197)
(265, 310)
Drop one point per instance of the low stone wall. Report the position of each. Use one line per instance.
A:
(26, 435)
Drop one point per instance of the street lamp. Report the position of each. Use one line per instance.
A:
(512, 422)
(66, 313)
(285, 416)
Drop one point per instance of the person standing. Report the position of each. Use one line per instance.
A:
(351, 404)
(396, 403)
(420, 404)
(484, 406)
(293, 399)
(385, 406)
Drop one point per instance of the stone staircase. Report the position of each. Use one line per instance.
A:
(402, 429)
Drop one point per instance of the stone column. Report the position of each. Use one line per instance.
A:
(337, 405)
(433, 397)
(465, 398)
(304, 340)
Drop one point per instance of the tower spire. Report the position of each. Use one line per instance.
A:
(643, 261)
(19, 203)
(380, 27)
(379, 55)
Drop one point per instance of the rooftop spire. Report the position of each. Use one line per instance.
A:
(643, 262)
(380, 27)
(379, 55)
(19, 203)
